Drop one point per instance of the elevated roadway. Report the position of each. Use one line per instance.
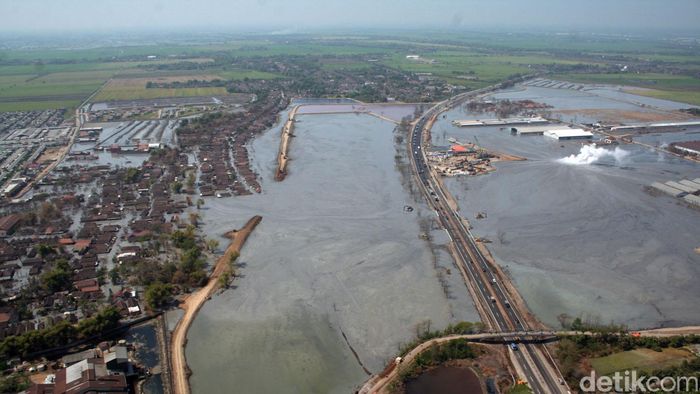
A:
(494, 303)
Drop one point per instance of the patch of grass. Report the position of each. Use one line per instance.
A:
(70, 105)
(640, 359)
(649, 80)
(112, 92)
(672, 95)
(680, 88)
(452, 64)
(520, 389)
(237, 75)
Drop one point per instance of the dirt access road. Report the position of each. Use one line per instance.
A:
(282, 156)
(194, 302)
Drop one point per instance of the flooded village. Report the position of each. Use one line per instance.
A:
(342, 224)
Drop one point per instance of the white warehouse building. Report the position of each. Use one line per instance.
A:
(569, 134)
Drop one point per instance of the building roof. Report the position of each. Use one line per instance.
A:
(8, 222)
(82, 244)
(70, 359)
(458, 148)
(89, 376)
(568, 133)
(689, 145)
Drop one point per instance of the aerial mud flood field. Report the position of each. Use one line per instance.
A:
(336, 276)
(576, 229)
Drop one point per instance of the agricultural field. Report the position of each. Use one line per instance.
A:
(63, 78)
(236, 75)
(48, 86)
(642, 359)
(682, 88)
(464, 68)
(136, 88)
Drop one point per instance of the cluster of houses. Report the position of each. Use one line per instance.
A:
(102, 369)
(92, 234)
(222, 150)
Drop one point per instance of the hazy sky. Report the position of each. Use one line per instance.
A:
(587, 15)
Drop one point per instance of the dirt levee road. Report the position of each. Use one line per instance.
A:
(194, 302)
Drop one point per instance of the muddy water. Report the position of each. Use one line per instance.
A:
(335, 254)
(584, 240)
(445, 380)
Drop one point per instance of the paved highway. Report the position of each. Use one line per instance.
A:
(496, 308)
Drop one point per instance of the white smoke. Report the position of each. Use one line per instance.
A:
(590, 154)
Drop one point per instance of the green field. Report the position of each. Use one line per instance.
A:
(110, 93)
(520, 389)
(236, 75)
(29, 87)
(450, 65)
(681, 88)
(643, 359)
(49, 78)
(672, 95)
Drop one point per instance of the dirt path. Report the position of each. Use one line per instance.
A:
(282, 156)
(192, 304)
(671, 331)
(378, 383)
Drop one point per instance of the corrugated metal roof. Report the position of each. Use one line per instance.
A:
(680, 186)
(75, 371)
(667, 189)
(693, 199)
(688, 183)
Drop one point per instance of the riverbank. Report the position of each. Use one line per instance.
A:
(282, 156)
(193, 303)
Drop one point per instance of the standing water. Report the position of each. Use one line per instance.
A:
(336, 263)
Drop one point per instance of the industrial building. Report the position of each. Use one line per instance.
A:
(529, 130)
(15, 185)
(654, 126)
(680, 186)
(684, 189)
(668, 189)
(688, 147)
(692, 199)
(691, 184)
(498, 122)
(569, 134)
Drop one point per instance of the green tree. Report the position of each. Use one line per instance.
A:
(158, 294)
(114, 275)
(190, 179)
(14, 383)
(131, 175)
(58, 278)
(212, 244)
(101, 274)
(44, 250)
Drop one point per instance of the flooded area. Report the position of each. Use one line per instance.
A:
(445, 380)
(598, 104)
(393, 112)
(117, 143)
(581, 236)
(337, 267)
(145, 340)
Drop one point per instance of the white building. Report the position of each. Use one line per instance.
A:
(569, 134)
